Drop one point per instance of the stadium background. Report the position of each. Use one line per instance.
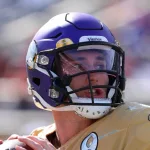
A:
(129, 21)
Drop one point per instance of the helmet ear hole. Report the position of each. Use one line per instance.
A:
(36, 81)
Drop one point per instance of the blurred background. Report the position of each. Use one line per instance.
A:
(129, 21)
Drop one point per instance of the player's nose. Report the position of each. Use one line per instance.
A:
(98, 78)
(93, 78)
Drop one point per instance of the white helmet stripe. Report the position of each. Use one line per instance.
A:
(49, 107)
(44, 71)
(111, 91)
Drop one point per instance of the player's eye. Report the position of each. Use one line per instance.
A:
(78, 66)
(100, 67)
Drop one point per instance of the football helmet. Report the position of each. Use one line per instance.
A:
(55, 59)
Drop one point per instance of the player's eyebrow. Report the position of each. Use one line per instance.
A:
(100, 58)
(80, 58)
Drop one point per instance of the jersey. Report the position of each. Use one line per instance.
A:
(125, 128)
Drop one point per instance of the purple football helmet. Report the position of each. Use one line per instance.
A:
(52, 64)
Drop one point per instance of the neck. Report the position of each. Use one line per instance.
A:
(68, 124)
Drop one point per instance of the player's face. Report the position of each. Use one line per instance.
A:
(91, 61)
(86, 61)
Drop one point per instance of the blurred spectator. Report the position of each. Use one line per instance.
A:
(3, 64)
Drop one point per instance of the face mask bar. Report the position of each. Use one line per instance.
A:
(115, 87)
(119, 74)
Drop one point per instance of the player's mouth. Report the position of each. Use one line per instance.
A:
(97, 93)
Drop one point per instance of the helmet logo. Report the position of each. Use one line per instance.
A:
(31, 55)
(63, 42)
(92, 38)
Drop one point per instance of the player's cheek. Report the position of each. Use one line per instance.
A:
(78, 81)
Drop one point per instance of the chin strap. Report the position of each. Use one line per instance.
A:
(111, 91)
(73, 95)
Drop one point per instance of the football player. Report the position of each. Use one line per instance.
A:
(75, 69)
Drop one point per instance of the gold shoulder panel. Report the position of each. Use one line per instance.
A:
(125, 128)
(121, 129)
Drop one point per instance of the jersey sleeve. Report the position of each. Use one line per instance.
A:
(37, 131)
(42, 132)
